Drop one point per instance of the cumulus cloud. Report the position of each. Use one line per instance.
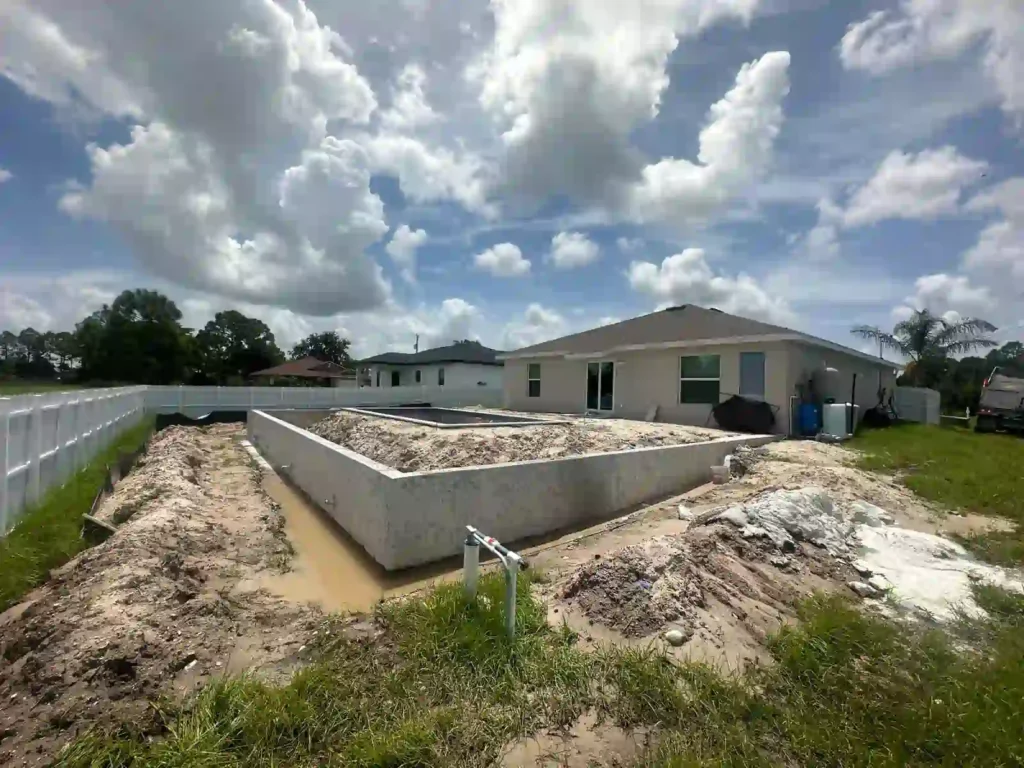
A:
(5, 175)
(1000, 246)
(503, 260)
(687, 278)
(572, 249)
(568, 81)
(409, 106)
(942, 293)
(537, 324)
(909, 186)
(50, 302)
(928, 30)
(196, 191)
(630, 244)
(402, 249)
(735, 148)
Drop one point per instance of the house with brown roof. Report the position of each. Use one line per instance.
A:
(683, 361)
(311, 370)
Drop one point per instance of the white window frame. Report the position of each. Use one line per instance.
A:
(530, 379)
(682, 378)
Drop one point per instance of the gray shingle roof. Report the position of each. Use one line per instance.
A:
(464, 352)
(686, 323)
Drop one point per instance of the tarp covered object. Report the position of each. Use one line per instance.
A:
(738, 414)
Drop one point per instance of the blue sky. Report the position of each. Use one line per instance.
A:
(513, 171)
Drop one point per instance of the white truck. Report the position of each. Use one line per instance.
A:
(1002, 404)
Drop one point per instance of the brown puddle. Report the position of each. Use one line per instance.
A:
(329, 568)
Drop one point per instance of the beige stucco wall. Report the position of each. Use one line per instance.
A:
(647, 378)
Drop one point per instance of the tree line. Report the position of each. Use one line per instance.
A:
(139, 339)
(938, 354)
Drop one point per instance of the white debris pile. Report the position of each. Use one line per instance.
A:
(785, 517)
(919, 571)
(927, 572)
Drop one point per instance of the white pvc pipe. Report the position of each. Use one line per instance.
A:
(471, 566)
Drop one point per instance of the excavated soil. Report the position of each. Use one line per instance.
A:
(158, 608)
(413, 448)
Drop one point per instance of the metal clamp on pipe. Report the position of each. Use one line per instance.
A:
(512, 563)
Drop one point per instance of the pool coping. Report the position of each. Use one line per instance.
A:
(424, 423)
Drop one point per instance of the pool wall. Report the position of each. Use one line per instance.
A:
(406, 519)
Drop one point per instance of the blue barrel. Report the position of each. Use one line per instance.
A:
(810, 419)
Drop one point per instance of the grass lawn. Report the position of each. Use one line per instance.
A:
(959, 468)
(49, 534)
(9, 388)
(442, 686)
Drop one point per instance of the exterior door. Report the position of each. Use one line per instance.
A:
(600, 386)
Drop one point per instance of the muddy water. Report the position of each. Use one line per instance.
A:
(329, 568)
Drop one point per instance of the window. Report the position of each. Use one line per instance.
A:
(396, 378)
(533, 380)
(699, 379)
(378, 377)
(752, 374)
(418, 377)
(440, 377)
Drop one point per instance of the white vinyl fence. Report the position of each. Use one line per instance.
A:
(46, 438)
(199, 400)
(917, 404)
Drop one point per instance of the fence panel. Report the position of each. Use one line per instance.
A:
(45, 438)
(917, 404)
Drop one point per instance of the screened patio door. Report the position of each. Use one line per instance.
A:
(600, 386)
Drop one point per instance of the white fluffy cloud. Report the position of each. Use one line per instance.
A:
(195, 190)
(572, 249)
(5, 175)
(687, 278)
(402, 249)
(537, 324)
(568, 81)
(943, 293)
(630, 244)
(735, 148)
(909, 186)
(503, 260)
(409, 106)
(1000, 247)
(54, 302)
(928, 30)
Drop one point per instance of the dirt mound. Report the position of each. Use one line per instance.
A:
(682, 579)
(413, 448)
(162, 605)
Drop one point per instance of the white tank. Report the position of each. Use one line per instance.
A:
(826, 384)
(834, 419)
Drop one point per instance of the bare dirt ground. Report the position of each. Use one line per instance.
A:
(413, 448)
(630, 581)
(164, 604)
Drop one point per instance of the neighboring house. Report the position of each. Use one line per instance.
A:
(683, 360)
(311, 370)
(465, 364)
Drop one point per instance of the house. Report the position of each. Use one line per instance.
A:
(685, 360)
(463, 364)
(312, 370)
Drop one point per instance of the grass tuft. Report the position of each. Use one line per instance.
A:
(49, 534)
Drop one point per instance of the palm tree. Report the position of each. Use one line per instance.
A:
(927, 338)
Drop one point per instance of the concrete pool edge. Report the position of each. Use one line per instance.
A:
(521, 422)
(403, 520)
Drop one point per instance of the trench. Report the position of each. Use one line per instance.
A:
(329, 568)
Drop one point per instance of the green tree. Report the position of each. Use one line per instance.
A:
(327, 346)
(137, 339)
(232, 346)
(930, 342)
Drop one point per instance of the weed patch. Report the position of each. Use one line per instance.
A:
(49, 534)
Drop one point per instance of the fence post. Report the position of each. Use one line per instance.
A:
(36, 442)
(5, 468)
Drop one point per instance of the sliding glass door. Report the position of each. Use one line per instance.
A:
(600, 386)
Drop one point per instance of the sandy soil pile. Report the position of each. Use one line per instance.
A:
(800, 518)
(412, 448)
(160, 606)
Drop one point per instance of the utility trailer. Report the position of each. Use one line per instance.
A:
(1002, 404)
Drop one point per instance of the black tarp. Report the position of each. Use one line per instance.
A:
(738, 414)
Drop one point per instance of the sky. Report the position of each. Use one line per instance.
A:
(513, 170)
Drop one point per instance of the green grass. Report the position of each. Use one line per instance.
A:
(442, 686)
(982, 473)
(49, 534)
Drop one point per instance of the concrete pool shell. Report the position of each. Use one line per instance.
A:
(408, 519)
(449, 418)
